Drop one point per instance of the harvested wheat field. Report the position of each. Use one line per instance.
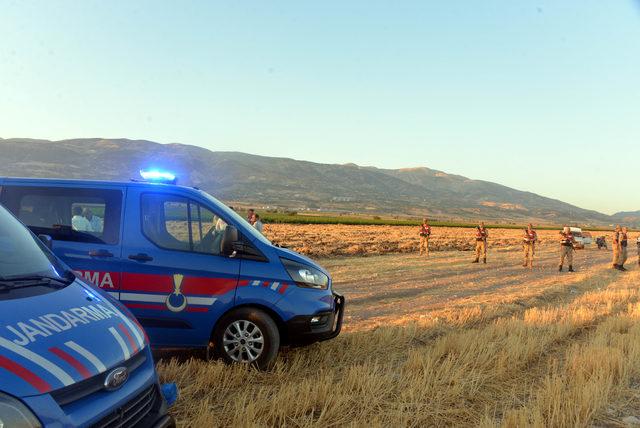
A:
(443, 342)
(325, 240)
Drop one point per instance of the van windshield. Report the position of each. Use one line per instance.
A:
(21, 254)
(237, 219)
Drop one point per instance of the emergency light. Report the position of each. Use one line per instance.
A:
(158, 176)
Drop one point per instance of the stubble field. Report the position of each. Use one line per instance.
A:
(443, 342)
(345, 240)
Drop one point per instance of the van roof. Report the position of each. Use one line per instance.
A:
(85, 183)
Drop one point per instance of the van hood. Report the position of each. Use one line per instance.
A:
(57, 339)
(292, 255)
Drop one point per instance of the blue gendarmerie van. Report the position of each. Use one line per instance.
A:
(193, 272)
(70, 355)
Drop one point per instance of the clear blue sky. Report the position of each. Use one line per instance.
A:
(541, 96)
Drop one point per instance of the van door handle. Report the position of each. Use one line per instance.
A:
(141, 257)
(100, 253)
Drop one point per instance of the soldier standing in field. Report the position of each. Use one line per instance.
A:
(638, 244)
(530, 238)
(425, 233)
(616, 247)
(622, 258)
(566, 247)
(481, 243)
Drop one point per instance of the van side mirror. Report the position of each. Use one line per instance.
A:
(46, 240)
(230, 236)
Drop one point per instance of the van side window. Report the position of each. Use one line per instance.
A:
(177, 223)
(68, 214)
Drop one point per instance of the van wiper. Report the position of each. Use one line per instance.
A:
(11, 283)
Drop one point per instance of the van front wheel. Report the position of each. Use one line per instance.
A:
(247, 336)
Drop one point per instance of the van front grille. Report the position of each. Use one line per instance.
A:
(134, 412)
(80, 390)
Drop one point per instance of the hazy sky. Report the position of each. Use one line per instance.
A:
(541, 96)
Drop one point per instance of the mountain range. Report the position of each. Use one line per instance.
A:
(248, 179)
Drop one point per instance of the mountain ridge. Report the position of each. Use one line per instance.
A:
(292, 184)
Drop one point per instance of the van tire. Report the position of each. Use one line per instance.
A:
(244, 317)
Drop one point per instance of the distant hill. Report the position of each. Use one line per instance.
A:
(292, 184)
(628, 218)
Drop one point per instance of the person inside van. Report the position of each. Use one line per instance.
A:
(95, 221)
(221, 225)
(80, 222)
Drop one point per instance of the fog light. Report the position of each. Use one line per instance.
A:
(315, 320)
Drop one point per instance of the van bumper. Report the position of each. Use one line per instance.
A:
(306, 329)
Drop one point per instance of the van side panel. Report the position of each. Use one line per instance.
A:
(176, 293)
(264, 284)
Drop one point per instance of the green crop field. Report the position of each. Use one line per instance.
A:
(288, 218)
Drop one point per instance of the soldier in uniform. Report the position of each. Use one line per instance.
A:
(638, 244)
(425, 233)
(481, 243)
(566, 247)
(622, 257)
(530, 238)
(616, 247)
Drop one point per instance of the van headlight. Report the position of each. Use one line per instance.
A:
(15, 414)
(305, 275)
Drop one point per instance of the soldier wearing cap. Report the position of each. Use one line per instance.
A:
(425, 233)
(617, 235)
(566, 247)
(481, 243)
(623, 255)
(529, 243)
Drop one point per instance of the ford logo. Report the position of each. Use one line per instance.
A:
(116, 378)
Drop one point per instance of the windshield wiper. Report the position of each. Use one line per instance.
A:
(12, 283)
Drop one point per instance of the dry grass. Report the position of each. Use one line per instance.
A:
(338, 240)
(562, 351)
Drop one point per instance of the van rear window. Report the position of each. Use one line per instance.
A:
(68, 214)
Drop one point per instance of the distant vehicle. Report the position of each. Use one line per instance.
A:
(70, 355)
(587, 238)
(193, 272)
(579, 237)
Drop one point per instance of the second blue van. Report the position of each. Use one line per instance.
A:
(192, 271)
(70, 355)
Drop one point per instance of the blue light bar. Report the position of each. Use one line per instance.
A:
(157, 175)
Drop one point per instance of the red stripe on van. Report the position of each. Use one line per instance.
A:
(164, 284)
(132, 342)
(24, 374)
(196, 309)
(147, 282)
(146, 306)
(207, 286)
(283, 288)
(146, 338)
(72, 361)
